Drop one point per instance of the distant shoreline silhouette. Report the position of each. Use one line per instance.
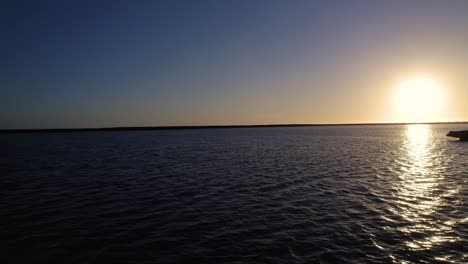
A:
(148, 128)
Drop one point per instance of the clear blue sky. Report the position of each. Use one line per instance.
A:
(150, 63)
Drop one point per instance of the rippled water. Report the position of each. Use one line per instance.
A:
(373, 194)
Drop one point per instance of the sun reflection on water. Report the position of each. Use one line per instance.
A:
(417, 179)
(419, 193)
(417, 143)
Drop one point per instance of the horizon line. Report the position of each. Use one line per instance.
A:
(187, 127)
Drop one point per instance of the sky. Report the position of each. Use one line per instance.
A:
(162, 63)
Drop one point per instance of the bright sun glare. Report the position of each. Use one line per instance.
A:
(419, 99)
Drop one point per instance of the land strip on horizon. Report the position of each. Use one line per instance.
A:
(146, 128)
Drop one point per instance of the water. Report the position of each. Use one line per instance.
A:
(363, 194)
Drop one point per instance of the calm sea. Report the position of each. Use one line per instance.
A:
(351, 194)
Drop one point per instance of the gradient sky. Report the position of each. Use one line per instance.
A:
(152, 63)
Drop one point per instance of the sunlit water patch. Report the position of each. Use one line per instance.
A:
(365, 194)
(423, 194)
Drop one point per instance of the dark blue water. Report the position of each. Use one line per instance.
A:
(364, 194)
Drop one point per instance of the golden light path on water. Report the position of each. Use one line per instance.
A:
(420, 191)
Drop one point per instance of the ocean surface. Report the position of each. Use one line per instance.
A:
(350, 194)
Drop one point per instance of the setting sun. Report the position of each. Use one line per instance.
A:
(419, 99)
